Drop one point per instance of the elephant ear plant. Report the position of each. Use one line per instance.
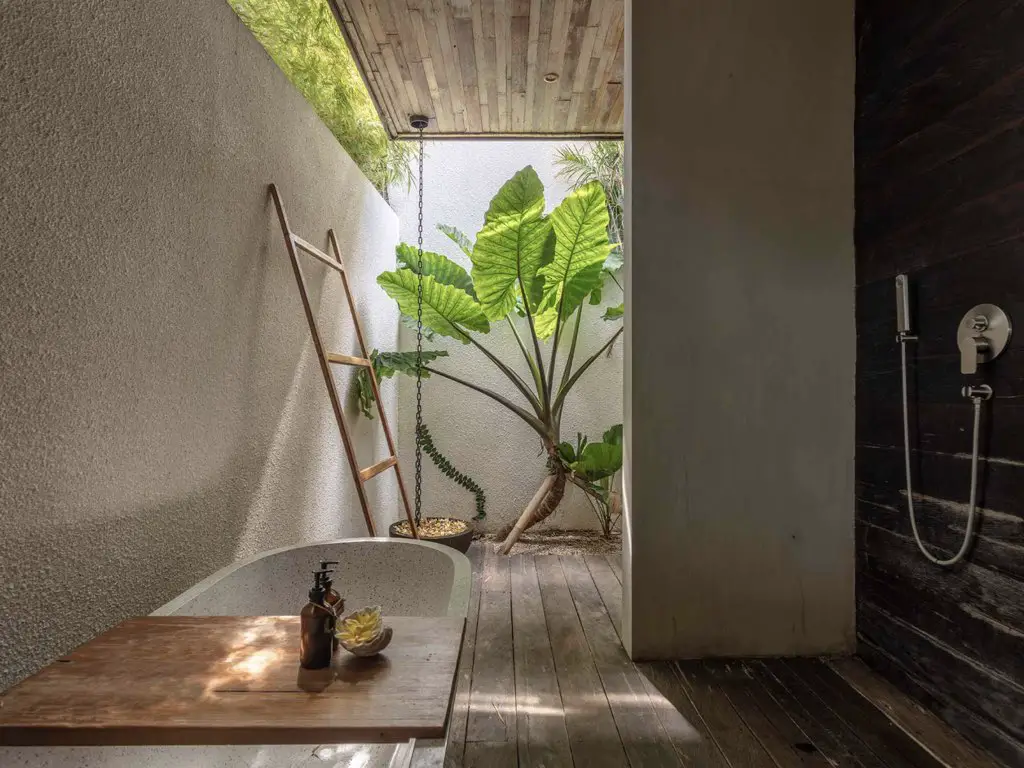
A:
(535, 272)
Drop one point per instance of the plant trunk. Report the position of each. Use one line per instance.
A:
(544, 502)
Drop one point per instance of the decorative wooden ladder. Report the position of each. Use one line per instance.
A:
(295, 244)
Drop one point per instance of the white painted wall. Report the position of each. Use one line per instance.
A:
(162, 410)
(483, 439)
(741, 328)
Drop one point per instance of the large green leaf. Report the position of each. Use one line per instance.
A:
(598, 460)
(440, 267)
(510, 248)
(386, 365)
(458, 237)
(446, 309)
(580, 225)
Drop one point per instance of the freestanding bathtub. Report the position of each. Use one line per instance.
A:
(405, 578)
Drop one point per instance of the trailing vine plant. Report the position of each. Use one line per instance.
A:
(386, 365)
(448, 470)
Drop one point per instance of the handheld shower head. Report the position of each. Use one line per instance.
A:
(902, 305)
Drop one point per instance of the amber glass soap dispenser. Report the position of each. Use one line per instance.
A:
(316, 634)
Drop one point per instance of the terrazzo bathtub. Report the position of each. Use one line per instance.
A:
(405, 578)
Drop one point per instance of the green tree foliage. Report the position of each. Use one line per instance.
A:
(303, 39)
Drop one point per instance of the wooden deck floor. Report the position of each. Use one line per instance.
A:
(544, 681)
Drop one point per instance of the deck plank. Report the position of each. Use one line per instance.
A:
(455, 744)
(540, 718)
(643, 737)
(737, 742)
(817, 735)
(593, 736)
(698, 747)
(777, 734)
(491, 754)
(492, 715)
(948, 747)
(609, 586)
(886, 739)
(849, 743)
(615, 563)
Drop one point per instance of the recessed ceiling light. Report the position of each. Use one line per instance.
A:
(551, 77)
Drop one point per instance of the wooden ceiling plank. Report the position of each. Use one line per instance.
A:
(424, 104)
(560, 116)
(396, 52)
(583, 59)
(357, 32)
(491, 60)
(574, 45)
(484, 75)
(387, 95)
(614, 117)
(445, 105)
(542, 90)
(556, 61)
(617, 69)
(440, 114)
(423, 37)
(398, 83)
(573, 117)
(414, 49)
(465, 47)
(380, 36)
(387, 15)
(604, 68)
(447, 54)
(534, 78)
(502, 52)
(520, 46)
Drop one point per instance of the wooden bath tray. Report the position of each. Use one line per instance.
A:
(177, 680)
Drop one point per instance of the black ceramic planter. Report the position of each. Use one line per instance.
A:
(459, 541)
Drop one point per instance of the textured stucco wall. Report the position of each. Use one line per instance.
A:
(483, 439)
(741, 328)
(162, 410)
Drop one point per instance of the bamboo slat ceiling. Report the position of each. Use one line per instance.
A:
(483, 68)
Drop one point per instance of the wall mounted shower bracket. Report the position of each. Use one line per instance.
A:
(982, 392)
(982, 336)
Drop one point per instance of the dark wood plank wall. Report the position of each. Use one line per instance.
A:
(940, 196)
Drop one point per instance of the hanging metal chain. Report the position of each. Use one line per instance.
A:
(419, 341)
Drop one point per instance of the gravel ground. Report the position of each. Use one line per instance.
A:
(556, 542)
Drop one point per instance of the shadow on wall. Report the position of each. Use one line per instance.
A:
(294, 477)
(162, 411)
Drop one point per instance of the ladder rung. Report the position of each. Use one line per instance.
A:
(316, 253)
(377, 468)
(334, 357)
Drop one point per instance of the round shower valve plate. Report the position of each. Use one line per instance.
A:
(989, 322)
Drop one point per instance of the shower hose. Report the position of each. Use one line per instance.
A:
(972, 509)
